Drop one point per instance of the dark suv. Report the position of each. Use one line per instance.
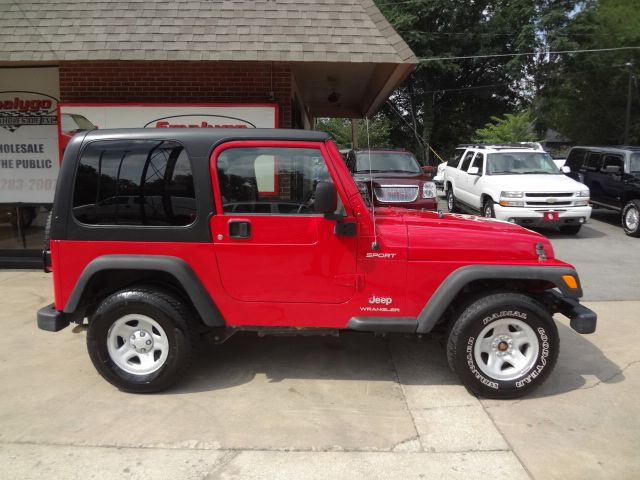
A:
(613, 177)
(395, 177)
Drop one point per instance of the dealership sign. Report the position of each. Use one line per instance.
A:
(28, 134)
(78, 117)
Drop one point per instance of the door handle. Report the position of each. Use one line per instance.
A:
(239, 229)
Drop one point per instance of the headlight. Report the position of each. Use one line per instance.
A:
(583, 193)
(428, 190)
(511, 194)
(511, 203)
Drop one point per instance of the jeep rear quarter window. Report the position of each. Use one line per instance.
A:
(140, 182)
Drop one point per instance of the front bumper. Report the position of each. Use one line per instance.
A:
(583, 320)
(536, 217)
(52, 320)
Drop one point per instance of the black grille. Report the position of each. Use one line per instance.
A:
(550, 194)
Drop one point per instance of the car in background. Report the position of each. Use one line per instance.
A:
(439, 177)
(392, 178)
(613, 177)
(517, 183)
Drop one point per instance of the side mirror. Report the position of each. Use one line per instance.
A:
(326, 198)
(612, 169)
(565, 169)
(474, 171)
(428, 169)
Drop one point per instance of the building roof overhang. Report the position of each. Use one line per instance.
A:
(346, 58)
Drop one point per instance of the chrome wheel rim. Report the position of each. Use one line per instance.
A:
(487, 211)
(450, 201)
(631, 218)
(506, 349)
(137, 344)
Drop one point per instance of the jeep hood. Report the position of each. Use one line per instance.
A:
(465, 238)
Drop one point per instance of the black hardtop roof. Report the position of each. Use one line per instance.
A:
(209, 135)
(201, 140)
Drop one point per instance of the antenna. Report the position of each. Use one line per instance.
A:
(374, 245)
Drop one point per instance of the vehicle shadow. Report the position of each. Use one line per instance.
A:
(351, 356)
(365, 357)
(585, 232)
(580, 365)
(610, 217)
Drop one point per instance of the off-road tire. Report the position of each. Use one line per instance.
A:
(154, 307)
(631, 211)
(451, 200)
(570, 229)
(487, 209)
(534, 336)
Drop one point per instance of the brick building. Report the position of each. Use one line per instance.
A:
(308, 58)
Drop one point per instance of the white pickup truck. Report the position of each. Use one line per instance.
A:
(520, 184)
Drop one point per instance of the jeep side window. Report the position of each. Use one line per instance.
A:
(140, 182)
(270, 180)
(466, 161)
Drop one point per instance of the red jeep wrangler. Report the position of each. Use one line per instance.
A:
(160, 236)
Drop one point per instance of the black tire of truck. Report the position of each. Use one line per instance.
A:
(503, 345)
(141, 340)
(451, 200)
(631, 218)
(488, 211)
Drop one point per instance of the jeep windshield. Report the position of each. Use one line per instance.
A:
(396, 162)
(520, 163)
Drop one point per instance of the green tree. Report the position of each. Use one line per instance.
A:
(340, 131)
(584, 95)
(509, 129)
(445, 101)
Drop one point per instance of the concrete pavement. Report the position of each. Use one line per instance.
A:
(312, 407)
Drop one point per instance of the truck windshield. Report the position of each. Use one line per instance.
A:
(403, 162)
(634, 166)
(517, 163)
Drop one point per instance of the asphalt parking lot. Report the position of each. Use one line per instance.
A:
(357, 406)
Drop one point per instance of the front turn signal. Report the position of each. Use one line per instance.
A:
(570, 280)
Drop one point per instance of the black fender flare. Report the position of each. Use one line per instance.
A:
(174, 266)
(456, 281)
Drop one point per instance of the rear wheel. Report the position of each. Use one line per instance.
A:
(631, 218)
(503, 345)
(141, 340)
(451, 200)
(570, 229)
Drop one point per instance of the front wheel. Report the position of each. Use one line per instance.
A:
(140, 340)
(488, 209)
(503, 345)
(631, 218)
(451, 200)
